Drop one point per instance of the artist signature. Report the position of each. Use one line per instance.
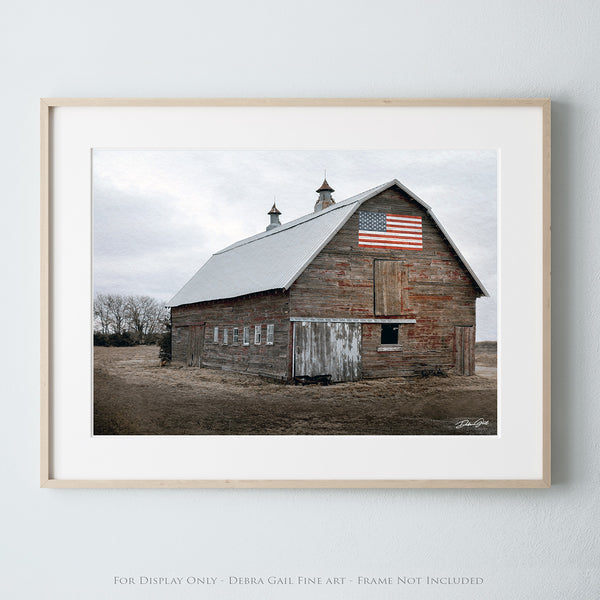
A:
(467, 423)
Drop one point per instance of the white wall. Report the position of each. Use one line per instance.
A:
(525, 544)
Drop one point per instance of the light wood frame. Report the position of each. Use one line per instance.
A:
(46, 107)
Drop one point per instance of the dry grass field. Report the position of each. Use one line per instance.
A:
(134, 395)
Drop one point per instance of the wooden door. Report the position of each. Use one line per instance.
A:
(390, 279)
(195, 345)
(464, 350)
(328, 349)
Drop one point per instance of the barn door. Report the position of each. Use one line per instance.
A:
(390, 279)
(328, 349)
(195, 345)
(464, 350)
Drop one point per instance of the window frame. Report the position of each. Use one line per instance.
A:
(235, 335)
(270, 334)
(387, 347)
(257, 335)
(216, 334)
(225, 336)
(246, 337)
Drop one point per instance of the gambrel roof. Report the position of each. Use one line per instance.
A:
(273, 260)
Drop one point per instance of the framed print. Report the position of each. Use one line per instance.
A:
(295, 293)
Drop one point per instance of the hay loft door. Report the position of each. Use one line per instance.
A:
(464, 350)
(195, 345)
(327, 349)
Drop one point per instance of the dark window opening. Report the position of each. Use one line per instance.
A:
(389, 333)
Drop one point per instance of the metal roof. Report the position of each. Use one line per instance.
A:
(273, 260)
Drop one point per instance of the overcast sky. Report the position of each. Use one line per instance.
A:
(160, 214)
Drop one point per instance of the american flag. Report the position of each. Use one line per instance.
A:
(379, 230)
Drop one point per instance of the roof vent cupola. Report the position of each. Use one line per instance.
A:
(274, 214)
(325, 200)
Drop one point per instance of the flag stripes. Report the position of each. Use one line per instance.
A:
(381, 230)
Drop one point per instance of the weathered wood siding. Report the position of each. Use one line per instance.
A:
(464, 350)
(194, 336)
(259, 309)
(327, 349)
(390, 277)
(436, 290)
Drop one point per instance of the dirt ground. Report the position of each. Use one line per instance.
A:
(134, 395)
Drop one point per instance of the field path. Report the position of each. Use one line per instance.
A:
(133, 395)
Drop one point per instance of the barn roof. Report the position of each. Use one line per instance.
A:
(273, 260)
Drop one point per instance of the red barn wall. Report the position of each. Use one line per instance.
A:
(440, 292)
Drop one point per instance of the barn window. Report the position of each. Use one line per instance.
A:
(225, 335)
(236, 335)
(387, 283)
(389, 333)
(257, 334)
(246, 336)
(270, 334)
(216, 335)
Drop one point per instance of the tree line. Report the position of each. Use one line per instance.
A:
(129, 320)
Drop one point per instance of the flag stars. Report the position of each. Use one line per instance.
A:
(369, 221)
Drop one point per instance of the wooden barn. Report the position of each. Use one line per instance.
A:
(371, 286)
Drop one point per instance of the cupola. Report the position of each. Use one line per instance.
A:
(274, 214)
(325, 200)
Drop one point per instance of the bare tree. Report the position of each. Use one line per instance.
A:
(145, 317)
(141, 316)
(117, 312)
(110, 314)
(101, 316)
